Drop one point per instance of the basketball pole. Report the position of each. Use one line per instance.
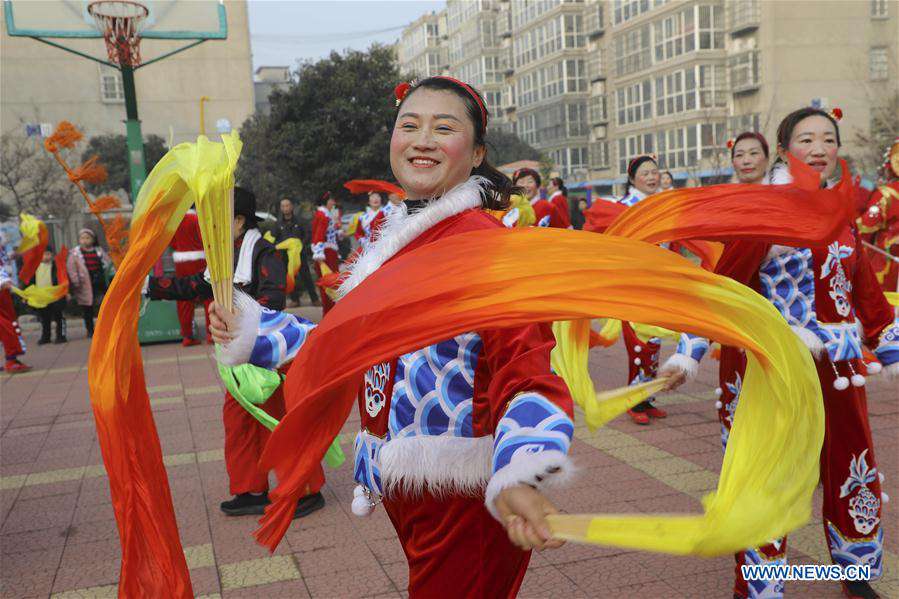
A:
(137, 164)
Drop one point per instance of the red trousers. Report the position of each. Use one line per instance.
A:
(245, 439)
(10, 333)
(332, 260)
(852, 499)
(455, 548)
(186, 307)
(642, 360)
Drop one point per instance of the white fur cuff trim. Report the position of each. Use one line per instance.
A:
(811, 341)
(891, 372)
(441, 465)
(684, 363)
(544, 470)
(249, 314)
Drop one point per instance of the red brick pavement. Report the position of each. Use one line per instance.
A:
(59, 535)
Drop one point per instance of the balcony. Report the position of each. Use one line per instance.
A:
(596, 66)
(743, 69)
(598, 113)
(593, 23)
(745, 16)
(599, 155)
(504, 24)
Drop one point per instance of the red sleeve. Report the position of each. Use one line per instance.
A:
(376, 224)
(740, 261)
(513, 361)
(319, 227)
(871, 306)
(562, 216)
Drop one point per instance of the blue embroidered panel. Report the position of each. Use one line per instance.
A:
(531, 424)
(434, 389)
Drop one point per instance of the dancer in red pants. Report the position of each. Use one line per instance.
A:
(190, 259)
(10, 333)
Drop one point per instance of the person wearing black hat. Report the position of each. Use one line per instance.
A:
(260, 273)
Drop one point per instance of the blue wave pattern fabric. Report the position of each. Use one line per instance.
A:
(887, 351)
(531, 424)
(434, 389)
(279, 338)
(367, 460)
(692, 346)
(787, 280)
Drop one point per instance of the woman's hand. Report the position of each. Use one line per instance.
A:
(523, 511)
(676, 377)
(222, 324)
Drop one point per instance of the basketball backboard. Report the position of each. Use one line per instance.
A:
(166, 19)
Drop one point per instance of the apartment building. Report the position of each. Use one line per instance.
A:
(422, 49)
(593, 83)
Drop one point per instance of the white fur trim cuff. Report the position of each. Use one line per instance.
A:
(891, 372)
(811, 341)
(543, 470)
(684, 363)
(249, 313)
(440, 465)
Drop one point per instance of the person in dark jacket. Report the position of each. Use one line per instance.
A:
(287, 226)
(260, 273)
(46, 276)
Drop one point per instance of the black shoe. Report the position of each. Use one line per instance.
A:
(43, 341)
(245, 504)
(308, 504)
(61, 340)
(859, 589)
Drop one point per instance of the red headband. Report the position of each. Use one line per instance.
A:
(402, 90)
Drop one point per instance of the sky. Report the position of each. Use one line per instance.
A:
(285, 31)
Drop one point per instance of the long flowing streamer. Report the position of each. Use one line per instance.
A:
(501, 278)
(41, 297)
(294, 249)
(153, 563)
(35, 238)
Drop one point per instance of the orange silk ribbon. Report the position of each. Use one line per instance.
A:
(153, 563)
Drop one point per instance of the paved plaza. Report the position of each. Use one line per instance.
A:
(59, 536)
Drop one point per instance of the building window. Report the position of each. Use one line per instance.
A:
(599, 155)
(744, 71)
(676, 92)
(880, 9)
(711, 27)
(634, 103)
(712, 86)
(745, 122)
(577, 119)
(712, 138)
(632, 146)
(111, 88)
(674, 35)
(633, 51)
(878, 64)
(575, 76)
(625, 10)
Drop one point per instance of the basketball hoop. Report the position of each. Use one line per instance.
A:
(120, 22)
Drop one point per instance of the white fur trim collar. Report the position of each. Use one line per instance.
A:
(401, 228)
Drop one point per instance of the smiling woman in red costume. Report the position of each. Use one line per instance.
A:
(823, 293)
(459, 439)
(547, 214)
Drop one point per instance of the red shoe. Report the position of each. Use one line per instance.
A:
(188, 342)
(655, 412)
(14, 366)
(639, 417)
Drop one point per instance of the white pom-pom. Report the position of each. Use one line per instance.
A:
(359, 491)
(884, 497)
(874, 367)
(637, 361)
(718, 405)
(841, 383)
(361, 506)
(858, 380)
(718, 391)
(880, 476)
(638, 348)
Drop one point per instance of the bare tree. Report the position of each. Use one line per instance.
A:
(881, 135)
(31, 180)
